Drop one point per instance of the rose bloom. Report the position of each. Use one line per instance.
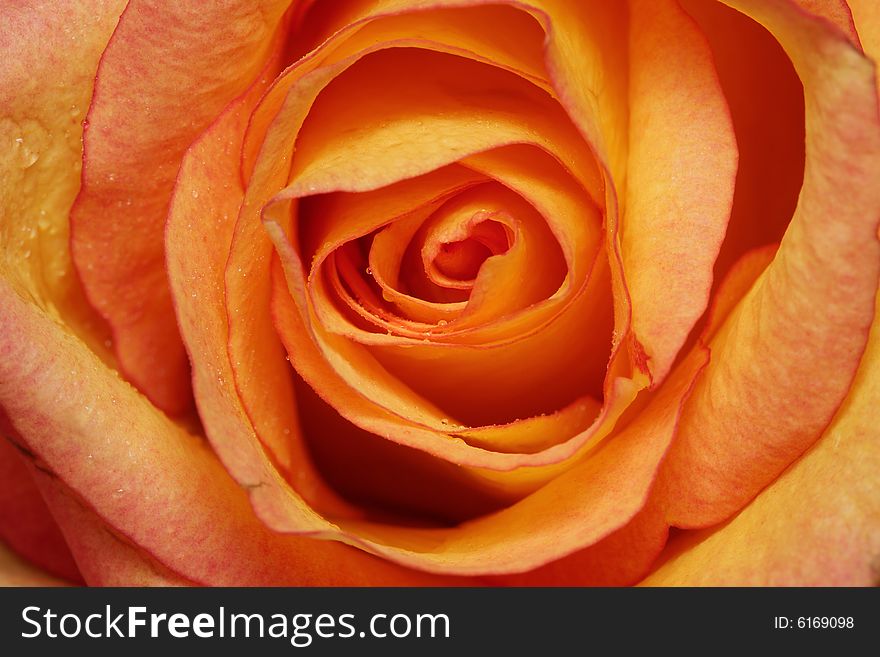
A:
(439, 292)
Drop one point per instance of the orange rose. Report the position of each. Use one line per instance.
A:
(440, 292)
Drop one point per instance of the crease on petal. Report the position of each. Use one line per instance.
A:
(26, 523)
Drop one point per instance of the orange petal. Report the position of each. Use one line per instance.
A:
(26, 524)
(156, 486)
(620, 559)
(595, 498)
(866, 16)
(198, 233)
(838, 12)
(766, 102)
(105, 560)
(780, 368)
(252, 338)
(817, 525)
(382, 404)
(680, 178)
(133, 143)
(43, 97)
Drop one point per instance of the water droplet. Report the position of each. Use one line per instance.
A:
(369, 271)
(286, 431)
(195, 193)
(26, 156)
(442, 322)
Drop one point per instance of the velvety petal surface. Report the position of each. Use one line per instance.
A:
(133, 142)
(762, 402)
(680, 178)
(817, 524)
(156, 486)
(26, 524)
(40, 136)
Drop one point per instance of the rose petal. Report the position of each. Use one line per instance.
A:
(134, 141)
(766, 102)
(40, 137)
(156, 486)
(198, 233)
(680, 178)
(26, 525)
(414, 422)
(253, 342)
(817, 525)
(553, 328)
(837, 12)
(762, 403)
(866, 15)
(619, 559)
(105, 560)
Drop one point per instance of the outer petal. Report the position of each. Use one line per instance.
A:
(785, 359)
(158, 487)
(25, 522)
(766, 101)
(818, 524)
(682, 166)
(48, 56)
(134, 140)
(837, 12)
(866, 15)
(104, 558)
